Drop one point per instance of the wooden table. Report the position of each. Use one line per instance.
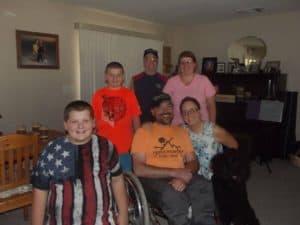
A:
(52, 134)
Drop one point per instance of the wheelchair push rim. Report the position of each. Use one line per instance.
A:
(138, 211)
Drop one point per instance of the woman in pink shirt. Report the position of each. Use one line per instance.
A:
(189, 83)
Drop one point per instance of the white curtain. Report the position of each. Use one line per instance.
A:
(97, 48)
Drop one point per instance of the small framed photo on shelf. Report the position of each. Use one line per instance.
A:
(272, 67)
(230, 67)
(209, 66)
(254, 68)
(221, 67)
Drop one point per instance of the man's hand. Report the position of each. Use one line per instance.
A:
(184, 174)
(178, 184)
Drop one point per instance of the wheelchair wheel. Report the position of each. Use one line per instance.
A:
(138, 211)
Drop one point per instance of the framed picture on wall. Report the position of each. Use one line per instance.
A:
(209, 66)
(37, 50)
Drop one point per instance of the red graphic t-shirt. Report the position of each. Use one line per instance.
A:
(114, 111)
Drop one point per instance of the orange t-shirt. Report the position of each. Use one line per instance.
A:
(164, 146)
(114, 111)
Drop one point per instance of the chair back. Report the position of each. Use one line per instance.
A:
(18, 155)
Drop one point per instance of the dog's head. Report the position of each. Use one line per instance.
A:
(231, 165)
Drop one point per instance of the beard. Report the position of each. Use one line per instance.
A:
(165, 118)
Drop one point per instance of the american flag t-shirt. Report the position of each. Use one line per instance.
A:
(78, 179)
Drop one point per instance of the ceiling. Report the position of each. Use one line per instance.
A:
(188, 12)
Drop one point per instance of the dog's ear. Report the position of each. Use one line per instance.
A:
(244, 171)
(220, 166)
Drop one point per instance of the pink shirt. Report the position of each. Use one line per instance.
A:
(200, 88)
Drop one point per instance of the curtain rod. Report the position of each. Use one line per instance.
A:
(115, 31)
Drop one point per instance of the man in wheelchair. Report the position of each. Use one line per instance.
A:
(165, 162)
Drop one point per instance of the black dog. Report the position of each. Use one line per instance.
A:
(231, 171)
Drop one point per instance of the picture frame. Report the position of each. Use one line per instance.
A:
(272, 66)
(37, 50)
(209, 65)
(221, 67)
(230, 67)
(254, 68)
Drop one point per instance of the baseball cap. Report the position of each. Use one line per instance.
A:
(158, 99)
(151, 51)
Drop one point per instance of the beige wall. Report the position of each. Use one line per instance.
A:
(280, 32)
(28, 95)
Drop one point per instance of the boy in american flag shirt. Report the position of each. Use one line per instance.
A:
(78, 176)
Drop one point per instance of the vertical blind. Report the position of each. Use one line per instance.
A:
(97, 48)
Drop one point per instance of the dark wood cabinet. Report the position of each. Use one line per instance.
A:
(266, 138)
(256, 84)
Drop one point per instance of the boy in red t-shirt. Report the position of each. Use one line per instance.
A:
(117, 112)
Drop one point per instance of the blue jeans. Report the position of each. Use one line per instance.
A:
(126, 162)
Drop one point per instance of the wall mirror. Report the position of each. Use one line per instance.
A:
(248, 50)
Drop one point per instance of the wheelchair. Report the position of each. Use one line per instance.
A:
(139, 210)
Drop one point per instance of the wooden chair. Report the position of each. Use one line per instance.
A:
(18, 155)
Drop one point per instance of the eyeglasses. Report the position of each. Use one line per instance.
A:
(186, 62)
(189, 112)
